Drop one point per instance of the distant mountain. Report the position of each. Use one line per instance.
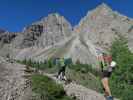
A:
(53, 36)
(45, 32)
(6, 37)
(102, 25)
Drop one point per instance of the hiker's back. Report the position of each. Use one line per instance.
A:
(62, 63)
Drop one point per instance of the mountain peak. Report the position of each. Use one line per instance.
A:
(103, 8)
(104, 5)
(54, 14)
(44, 18)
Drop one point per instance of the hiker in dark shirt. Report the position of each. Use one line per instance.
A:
(61, 73)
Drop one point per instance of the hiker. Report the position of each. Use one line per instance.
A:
(61, 73)
(107, 66)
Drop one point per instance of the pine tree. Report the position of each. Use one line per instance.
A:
(122, 78)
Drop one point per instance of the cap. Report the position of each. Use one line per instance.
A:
(113, 64)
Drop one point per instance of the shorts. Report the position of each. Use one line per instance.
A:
(105, 73)
(62, 70)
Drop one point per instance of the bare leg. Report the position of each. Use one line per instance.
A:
(106, 86)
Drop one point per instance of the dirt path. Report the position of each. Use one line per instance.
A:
(79, 91)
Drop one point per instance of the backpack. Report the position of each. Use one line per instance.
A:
(62, 62)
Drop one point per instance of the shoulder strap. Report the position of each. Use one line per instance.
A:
(103, 65)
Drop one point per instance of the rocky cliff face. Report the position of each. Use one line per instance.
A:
(102, 25)
(46, 32)
(6, 37)
(55, 29)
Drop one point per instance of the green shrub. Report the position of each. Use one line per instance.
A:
(84, 68)
(46, 87)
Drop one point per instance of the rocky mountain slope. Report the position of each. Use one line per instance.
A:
(102, 25)
(53, 36)
(13, 85)
(6, 37)
(45, 32)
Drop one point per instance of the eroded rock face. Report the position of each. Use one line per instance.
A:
(31, 35)
(55, 29)
(13, 86)
(7, 37)
(102, 25)
(46, 32)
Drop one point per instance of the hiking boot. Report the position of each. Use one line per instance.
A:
(109, 98)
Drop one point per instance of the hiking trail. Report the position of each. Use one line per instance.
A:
(78, 91)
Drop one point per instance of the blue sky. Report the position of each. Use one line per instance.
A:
(15, 14)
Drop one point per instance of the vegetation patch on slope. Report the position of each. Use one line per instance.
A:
(82, 74)
(45, 88)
